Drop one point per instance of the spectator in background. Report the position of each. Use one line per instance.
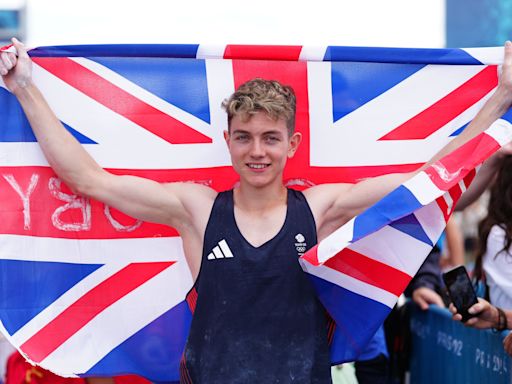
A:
(427, 286)
(493, 264)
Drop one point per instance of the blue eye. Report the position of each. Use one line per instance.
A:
(241, 137)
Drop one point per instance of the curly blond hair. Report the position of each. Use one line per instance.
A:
(269, 96)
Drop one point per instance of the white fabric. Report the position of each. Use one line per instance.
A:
(498, 269)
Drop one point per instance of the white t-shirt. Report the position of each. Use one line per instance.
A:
(497, 267)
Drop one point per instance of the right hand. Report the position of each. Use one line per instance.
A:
(16, 71)
(425, 296)
(486, 315)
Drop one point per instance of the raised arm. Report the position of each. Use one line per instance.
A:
(335, 204)
(183, 206)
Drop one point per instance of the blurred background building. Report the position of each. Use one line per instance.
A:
(12, 19)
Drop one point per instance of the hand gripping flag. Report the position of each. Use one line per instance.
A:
(85, 290)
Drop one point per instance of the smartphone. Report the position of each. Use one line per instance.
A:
(460, 290)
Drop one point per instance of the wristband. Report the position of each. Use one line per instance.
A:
(502, 320)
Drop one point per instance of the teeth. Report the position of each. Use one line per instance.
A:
(257, 166)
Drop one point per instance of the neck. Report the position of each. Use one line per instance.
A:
(249, 198)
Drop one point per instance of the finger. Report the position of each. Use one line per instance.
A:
(457, 317)
(477, 308)
(507, 344)
(3, 69)
(7, 62)
(439, 302)
(471, 322)
(421, 302)
(508, 349)
(507, 60)
(434, 298)
(20, 48)
(12, 57)
(452, 309)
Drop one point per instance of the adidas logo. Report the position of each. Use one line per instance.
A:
(221, 251)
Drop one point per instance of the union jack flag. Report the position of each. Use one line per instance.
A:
(88, 291)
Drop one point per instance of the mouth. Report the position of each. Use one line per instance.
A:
(257, 166)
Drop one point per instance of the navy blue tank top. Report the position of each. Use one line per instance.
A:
(257, 318)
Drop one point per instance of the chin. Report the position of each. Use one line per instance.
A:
(260, 182)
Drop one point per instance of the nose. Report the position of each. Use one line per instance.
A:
(257, 149)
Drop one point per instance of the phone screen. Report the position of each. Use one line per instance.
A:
(460, 290)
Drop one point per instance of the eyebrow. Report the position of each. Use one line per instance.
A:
(271, 132)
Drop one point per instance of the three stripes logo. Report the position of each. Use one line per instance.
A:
(221, 251)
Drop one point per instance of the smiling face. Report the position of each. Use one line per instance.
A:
(259, 148)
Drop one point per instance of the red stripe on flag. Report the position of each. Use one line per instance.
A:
(311, 256)
(6, 47)
(447, 172)
(445, 110)
(370, 271)
(192, 300)
(443, 206)
(122, 102)
(469, 178)
(455, 193)
(263, 52)
(76, 316)
(43, 205)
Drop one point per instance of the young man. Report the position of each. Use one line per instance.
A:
(257, 318)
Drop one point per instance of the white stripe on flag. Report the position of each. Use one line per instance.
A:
(486, 55)
(94, 251)
(312, 53)
(335, 242)
(205, 51)
(423, 189)
(449, 202)
(394, 248)
(501, 131)
(351, 284)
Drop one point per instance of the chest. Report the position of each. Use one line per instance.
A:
(259, 228)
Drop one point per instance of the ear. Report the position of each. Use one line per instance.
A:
(226, 137)
(293, 143)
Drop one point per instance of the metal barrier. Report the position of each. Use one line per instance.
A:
(444, 351)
